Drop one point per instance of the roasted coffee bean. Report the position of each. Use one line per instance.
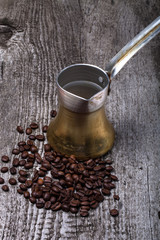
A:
(46, 196)
(23, 173)
(5, 159)
(37, 194)
(106, 192)
(1, 180)
(74, 203)
(41, 173)
(40, 203)
(29, 142)
(46, 165)
(28, 183)
(109, 161)
(109, 168)
(22, 179)
(4, 169)
(22, 162)
(47, 205)
(19, 191)
(31, 156)
(28, 165)
(73, 210)
(53, 199)
(55, 189)
(53, 113)
(40, 181)
(56, 206)
(85, 203)
(47, 147)
(20, 129)
(13, 170)
(5, 188)
(65, 207)
(23, 187)
(21, 143)
(27, 147)
(33, 149)
(32, 137)
(94, 204)
(47, 179)
(32, 200)
(15, 151)
(84, 213)
(45, 128)
(40, 137)
(21, 149)
(34, 125)
(38, 158)
(113, 177)
(15, 162)
(107, 180)
(114, 212)
(24, 154)
(28, 131)
(12, 181)
(26, 194)
(116, 197)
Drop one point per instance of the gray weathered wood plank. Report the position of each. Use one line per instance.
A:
(47, 36)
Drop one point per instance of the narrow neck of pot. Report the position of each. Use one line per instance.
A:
(82, 88)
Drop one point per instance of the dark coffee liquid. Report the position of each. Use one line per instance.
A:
(84, 89)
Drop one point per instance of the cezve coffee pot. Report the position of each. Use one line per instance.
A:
(81, 127)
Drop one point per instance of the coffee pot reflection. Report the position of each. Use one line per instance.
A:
(81, 126)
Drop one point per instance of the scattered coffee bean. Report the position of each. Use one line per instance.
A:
(23, 187)
(15, 151)
(29, 142)
(28, 183)
(27, 194)
(1, 180)
(53, 113)
(22, 162)
(24, 154)
(47, 147)
(4, 169)
(23, 173)
(45, 128)
(32, 200)
(5, 188)
(22, 179)
(34, 125)
(13, 170)
(20, 129)
(28, 165)
(32, 137)
(12, 181)
(28, 131)
(21, 143)
(84, 213)
(19, 191)
(15, 162)
(116, 197)
(5, 158)
(47, 205)
(40, 137)
(113, 177)
(34, 149)
(114, 212)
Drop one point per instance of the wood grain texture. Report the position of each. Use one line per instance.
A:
(40, 39)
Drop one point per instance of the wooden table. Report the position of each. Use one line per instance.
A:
(38, 39)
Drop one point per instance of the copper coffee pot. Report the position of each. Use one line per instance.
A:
(81, 127)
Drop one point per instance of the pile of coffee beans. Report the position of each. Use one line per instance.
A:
(56, 181)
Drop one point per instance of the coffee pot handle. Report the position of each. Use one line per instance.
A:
(139, 41)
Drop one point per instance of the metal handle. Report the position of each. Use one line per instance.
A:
(122, 57)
